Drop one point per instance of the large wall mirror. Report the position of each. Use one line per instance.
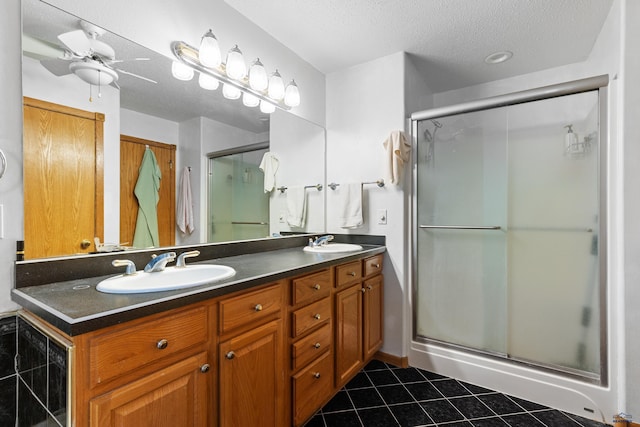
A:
(146, 108)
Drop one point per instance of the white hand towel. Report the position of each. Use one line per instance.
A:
(296, 206)
(349, 205)
(269, 165)
(184, 211)
(397, 151)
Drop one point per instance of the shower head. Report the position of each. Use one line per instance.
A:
(436, 123)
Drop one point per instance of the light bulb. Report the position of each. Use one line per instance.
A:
(209, 51)
(250, 100)
(230, 92)
(276, 86)
(181, 71)
(267, 107)
(236, 68)
(292, 94)
(208, 82)
(258, 79)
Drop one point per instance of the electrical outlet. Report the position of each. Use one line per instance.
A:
(382, 216)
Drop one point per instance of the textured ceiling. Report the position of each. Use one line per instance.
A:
(448, 39)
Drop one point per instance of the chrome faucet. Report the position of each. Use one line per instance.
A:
(159, 262)
(321, 241)
(181, 263)
(131, 267)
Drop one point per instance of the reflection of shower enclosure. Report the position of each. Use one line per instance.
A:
(238, 205)
(508, 249)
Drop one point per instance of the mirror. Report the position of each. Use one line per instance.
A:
(198, 122)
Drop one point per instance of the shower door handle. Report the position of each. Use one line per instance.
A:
(461, 227)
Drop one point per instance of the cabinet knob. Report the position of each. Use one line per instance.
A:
(258, 307)
(351, 273)
(316, 375)
(205, 368)
(230, 355)
(370, 287)
(85, 244)
(316, 287)
(363, 290)
(376, 265)
(162, 344)
(316, 345)
(317, 316)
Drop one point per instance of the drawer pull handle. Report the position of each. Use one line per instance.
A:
(230, 355)
(162, 344)
(316, 345)
(316, 287)
(363, 290)
(258, 307)
(205, 368)
(351, 273)
(316, 375)
(376, 265)
(317, 316)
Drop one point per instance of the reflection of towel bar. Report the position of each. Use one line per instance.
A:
(248, 223)
(379, 183)
(317, 187)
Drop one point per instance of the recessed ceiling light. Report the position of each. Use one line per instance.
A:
(498, 57)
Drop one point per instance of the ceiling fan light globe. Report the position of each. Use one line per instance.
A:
(93, 72)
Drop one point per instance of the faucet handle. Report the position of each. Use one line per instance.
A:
(131, 267)
(183, 256)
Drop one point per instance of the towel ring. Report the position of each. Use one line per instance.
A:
(3, 163)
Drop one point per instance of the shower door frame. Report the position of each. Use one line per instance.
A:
(598, 83)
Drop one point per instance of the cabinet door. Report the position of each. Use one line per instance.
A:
(373, 315)
(252, 378)
(348, 333)
(175, 396)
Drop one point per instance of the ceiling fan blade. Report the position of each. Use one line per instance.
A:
(115, 84)
(57, 67)
(135, 75)
(116, 61)
(76, 41)
(40, 49)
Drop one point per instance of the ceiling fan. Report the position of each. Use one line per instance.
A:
(82, 54)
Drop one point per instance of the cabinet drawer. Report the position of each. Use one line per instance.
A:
(347, 274)
(307, 318)
(372, 265)
(312, 286)
(250, 307)
(311, 387)
(309, 347)
(121, 351)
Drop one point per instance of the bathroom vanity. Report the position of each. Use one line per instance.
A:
(270, 349)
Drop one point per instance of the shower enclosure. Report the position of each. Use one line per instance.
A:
(509, 219)
(238, 207)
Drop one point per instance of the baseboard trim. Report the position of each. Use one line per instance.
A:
(400, 361)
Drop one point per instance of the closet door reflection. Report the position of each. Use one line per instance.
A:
(238, 206)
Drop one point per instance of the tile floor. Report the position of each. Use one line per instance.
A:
(384, 395)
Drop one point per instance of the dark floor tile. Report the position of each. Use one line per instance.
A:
(8, 401)
(585, 421)
(431, 375)
(529, 406)
(555, 418)
(377, 417)
(7, 345)
(342, 419)
(441, 411)
(410, 415)
(365, 398)
(489, 422)
(315, 421)
(339, 402)
(522, 420)
(476, 389)
(471, 407)
(384, 377)
(451, 388)
(500, 404)
(423, 391)
(457, 424)
(375, 365)
(361, 380)
(30, 412)
(395, 394)
(409, 375)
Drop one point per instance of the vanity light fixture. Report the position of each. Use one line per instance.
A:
(256, 88)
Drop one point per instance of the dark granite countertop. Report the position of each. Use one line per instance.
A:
(76, 307)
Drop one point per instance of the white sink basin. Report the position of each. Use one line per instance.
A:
(333, 248)
(170, 279)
